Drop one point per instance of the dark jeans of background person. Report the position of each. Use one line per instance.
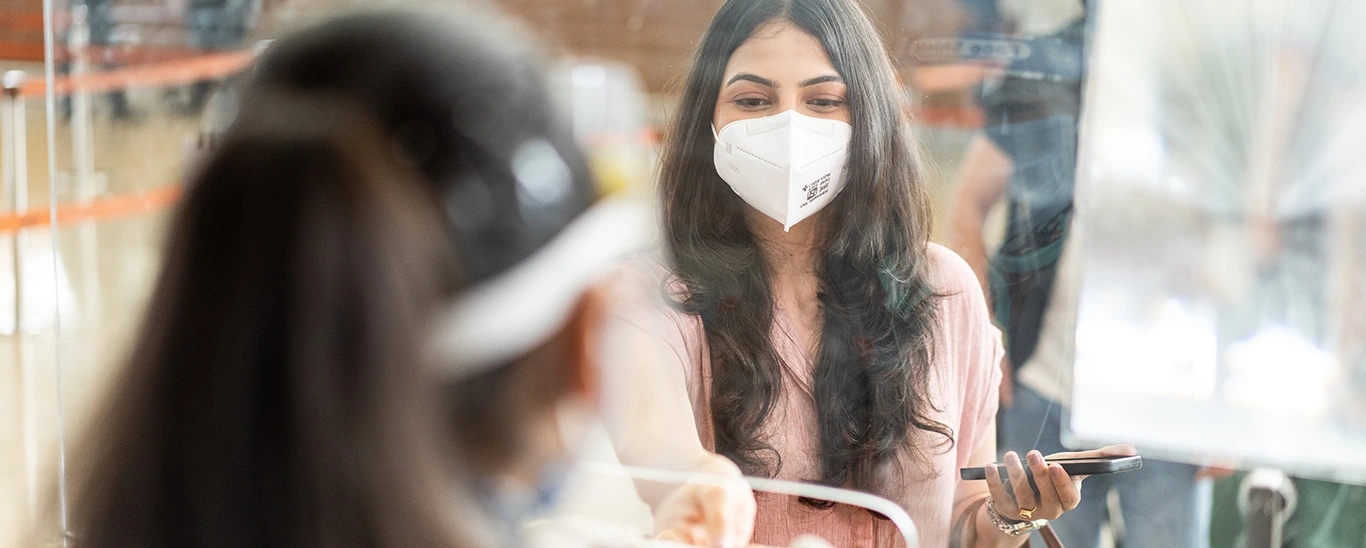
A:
(1160, 502)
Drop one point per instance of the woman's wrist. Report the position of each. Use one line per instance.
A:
(1013, 527)
(989, 534)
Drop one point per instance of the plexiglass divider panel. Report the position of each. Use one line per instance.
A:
(1223, 213)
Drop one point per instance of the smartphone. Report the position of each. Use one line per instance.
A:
(1074, 467)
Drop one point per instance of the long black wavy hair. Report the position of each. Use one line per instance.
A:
(879, 312)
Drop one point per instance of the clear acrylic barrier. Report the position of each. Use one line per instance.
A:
(97, 131)
(1222, 200)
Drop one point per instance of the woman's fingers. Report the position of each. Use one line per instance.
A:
(1121, 450)
(1049, 506)
(715, 513)
(1019, 483)
(700, 538)
(694, 514)
(1005, 504)
(674, 535)
(1052, 492)
(727, 514)
(692, 536)
(737, 518)
(714, 506)
(744, 512)
(1068, 491)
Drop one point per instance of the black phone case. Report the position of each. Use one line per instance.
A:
(1090, 467)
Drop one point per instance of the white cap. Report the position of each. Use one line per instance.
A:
(505, 317)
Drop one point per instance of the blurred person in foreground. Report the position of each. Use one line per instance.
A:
(376, 324)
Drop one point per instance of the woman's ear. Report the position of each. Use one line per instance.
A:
(585, 333)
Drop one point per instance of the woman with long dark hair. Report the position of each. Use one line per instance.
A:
(376, 324)
(822, 337)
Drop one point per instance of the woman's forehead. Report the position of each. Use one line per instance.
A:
(781, 52)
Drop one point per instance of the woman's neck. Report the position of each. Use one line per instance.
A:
(791, 257)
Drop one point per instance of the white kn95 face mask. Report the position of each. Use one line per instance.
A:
(788, 166)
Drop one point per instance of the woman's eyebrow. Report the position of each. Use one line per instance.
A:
(752, 78)
(822, 80)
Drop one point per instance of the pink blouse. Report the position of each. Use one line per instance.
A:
(964, 383)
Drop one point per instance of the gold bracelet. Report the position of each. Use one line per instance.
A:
(1012, 527)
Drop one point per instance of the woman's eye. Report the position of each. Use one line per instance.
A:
(826, 104)
(751, 102)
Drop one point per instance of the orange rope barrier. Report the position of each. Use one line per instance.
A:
(100, 209)
(184, 71)
(128, 56)
(19, 50)
(959, 117)
(22, 21)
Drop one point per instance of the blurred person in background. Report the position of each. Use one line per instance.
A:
(1027, 156)
(100, 36)
(215, 26)
(821, 337)
(376, 321)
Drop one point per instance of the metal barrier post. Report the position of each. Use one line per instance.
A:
(1267, 498)
(79, 42)
(82, 156)
(14, 156)
(15, 159)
